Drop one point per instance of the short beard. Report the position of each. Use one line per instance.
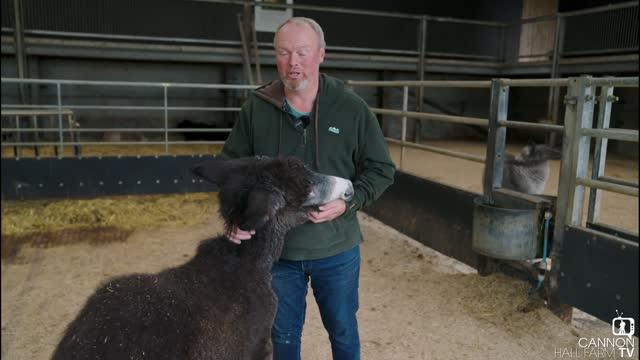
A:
(300, 86)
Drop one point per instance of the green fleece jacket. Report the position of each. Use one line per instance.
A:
(343, 139)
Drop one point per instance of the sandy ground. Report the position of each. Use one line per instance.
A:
(414, 302)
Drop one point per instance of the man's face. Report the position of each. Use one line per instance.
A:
(298, 55)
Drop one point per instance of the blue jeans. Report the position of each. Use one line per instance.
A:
(334, 281)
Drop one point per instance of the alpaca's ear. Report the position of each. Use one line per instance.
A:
(261, 206)
(215, 170)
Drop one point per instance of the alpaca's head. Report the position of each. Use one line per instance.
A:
(257, 190)
(535, 153)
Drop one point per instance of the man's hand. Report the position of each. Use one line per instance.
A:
(328, 211)
(236, 235)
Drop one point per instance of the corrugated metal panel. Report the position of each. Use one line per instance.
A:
(165, 18)
(216, 21)
(7, 14)
(616, 29)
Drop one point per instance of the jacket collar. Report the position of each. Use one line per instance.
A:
(273, 93)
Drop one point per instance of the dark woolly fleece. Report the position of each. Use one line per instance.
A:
(218, 305)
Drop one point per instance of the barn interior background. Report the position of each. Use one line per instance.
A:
(105, 105)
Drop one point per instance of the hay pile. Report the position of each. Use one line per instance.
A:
(124, 212)
(112, 150)
(45, 223)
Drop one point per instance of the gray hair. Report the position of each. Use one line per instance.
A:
(303, 21)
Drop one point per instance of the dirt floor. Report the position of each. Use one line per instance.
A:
(415, 303)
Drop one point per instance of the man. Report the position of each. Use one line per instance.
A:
(312, 116)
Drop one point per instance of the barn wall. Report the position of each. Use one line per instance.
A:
(218, 21)
(537, 38)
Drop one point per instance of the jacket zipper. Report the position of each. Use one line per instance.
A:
(304, 136)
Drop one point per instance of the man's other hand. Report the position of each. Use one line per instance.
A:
(236, 236)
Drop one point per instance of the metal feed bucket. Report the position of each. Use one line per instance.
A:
(504, 233)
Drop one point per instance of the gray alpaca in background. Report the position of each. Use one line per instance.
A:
(528, 171)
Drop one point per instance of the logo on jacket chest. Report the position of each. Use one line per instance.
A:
(334, 130)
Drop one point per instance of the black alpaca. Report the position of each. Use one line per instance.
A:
(220, 304)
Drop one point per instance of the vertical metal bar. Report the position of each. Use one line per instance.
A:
(228, 99)
(558, 34)
(566, 164)
(34, 89)
(256, 55)
(18, 32)
(499, 107)
(60, 133)
(492, 177)
(245, 50)
(380, 103)
(575, 157)
(386, 100)
(554, 92)
(553, 73)
(74, 135)
(247, 15)
(556, 64)
(575, 154)
(580, 149)
(166, 120)
(36, 136)
(562, 201)
(17, 150)
(422, 40)
(405, 102)
(600, 152)
(69, 126)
